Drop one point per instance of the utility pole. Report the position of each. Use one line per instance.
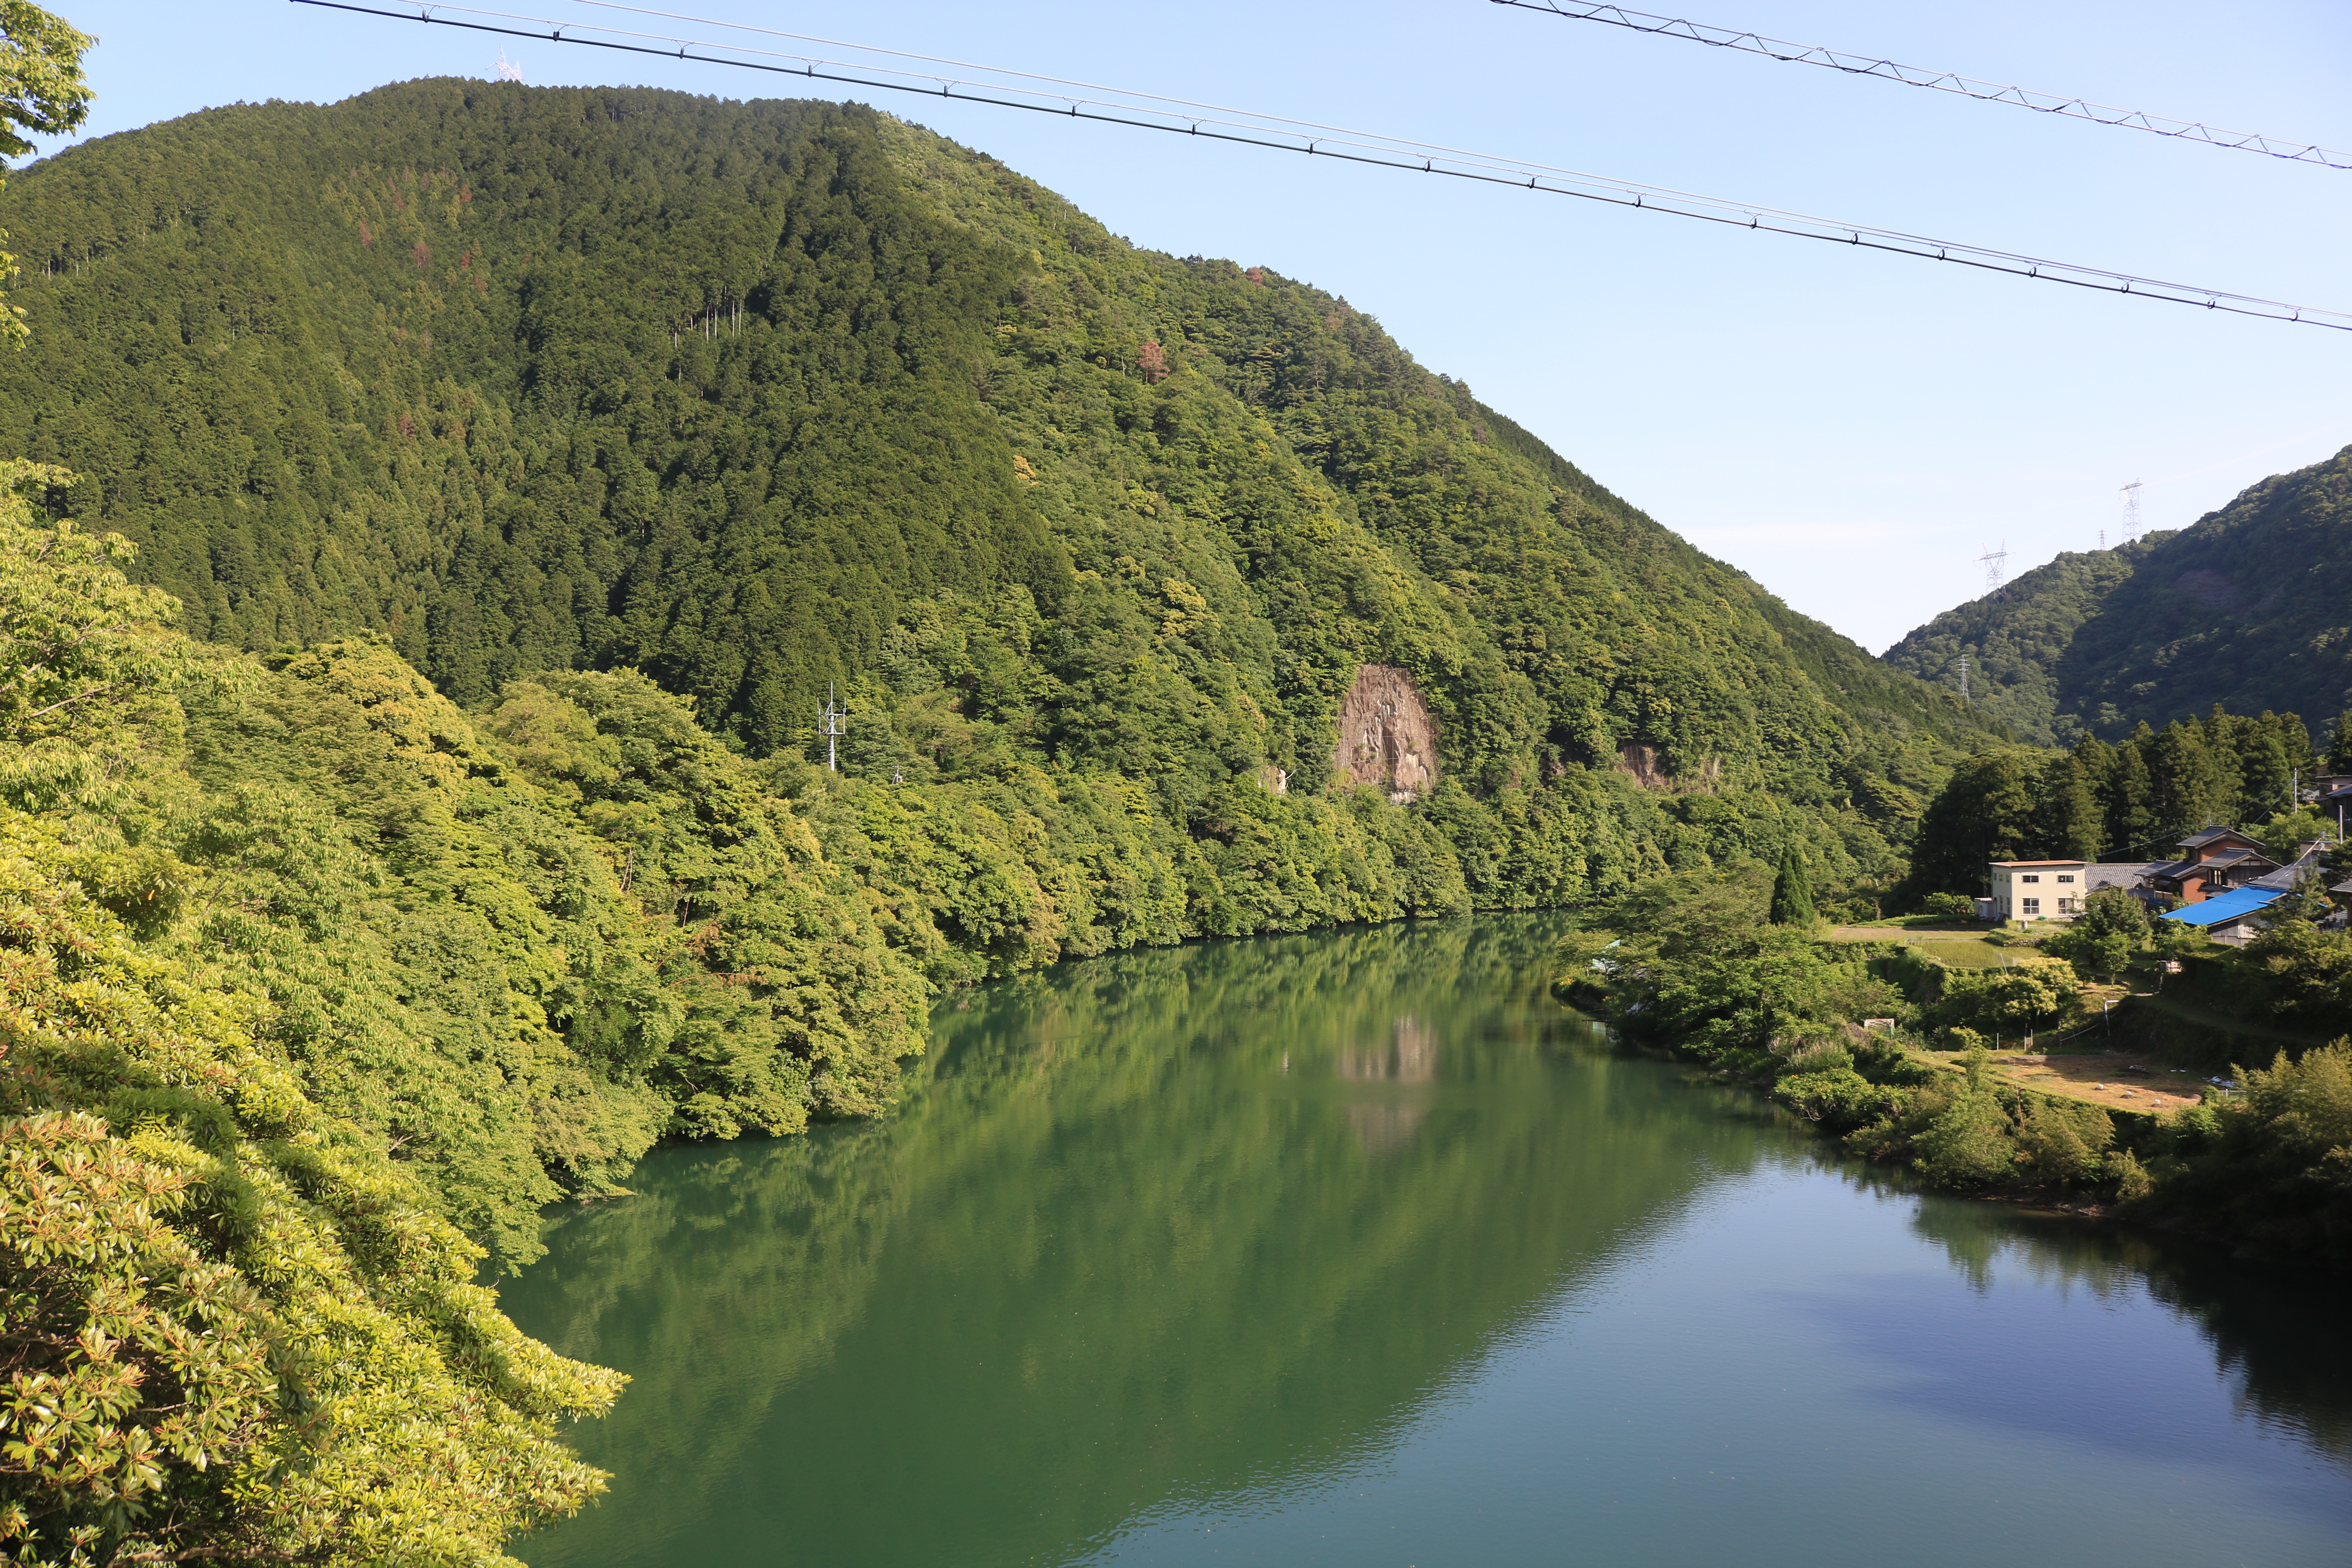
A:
(832, 728)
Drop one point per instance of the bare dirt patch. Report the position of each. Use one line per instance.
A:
(2115, 1079)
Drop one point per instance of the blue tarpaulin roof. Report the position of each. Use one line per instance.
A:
(2229, 906)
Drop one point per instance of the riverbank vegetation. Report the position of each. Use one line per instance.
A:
(1695, 963)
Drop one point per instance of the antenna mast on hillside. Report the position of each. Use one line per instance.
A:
(2131, 511)
(1964, 678)
(1992, 560)
(832, 728)
(508, 69)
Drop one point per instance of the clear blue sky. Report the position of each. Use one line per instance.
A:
(1853, 430)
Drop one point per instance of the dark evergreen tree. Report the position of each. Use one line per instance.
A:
(2306, 902)
(1984, 813)
(2339, 746)
(1793, 890)
(2187, 789)
(2069, 823)
(2265, 774)
(2132, 826)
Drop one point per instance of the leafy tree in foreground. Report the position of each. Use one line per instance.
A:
(41, 90)
(232, 1330)
(2270, 1167)
(232, 1326)
(2102, 937)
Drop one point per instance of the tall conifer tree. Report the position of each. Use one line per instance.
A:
(1793, 890)
(2068, 821)
(2339, 746)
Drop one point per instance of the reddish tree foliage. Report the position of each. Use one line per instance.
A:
(1256, 275)
(367, 235)
(407, 428)
(422, 254)
(1154, 361)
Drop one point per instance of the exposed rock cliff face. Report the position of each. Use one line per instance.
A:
(1386, 735)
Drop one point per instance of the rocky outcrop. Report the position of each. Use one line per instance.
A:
(1386, 735)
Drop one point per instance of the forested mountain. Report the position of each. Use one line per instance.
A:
(457, 504)
(759, 397)
(2250, 608)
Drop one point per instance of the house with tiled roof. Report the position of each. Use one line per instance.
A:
(2212, 861)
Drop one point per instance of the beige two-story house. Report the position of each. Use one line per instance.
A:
(2026, 891)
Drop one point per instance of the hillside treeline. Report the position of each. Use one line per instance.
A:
(2129, 801)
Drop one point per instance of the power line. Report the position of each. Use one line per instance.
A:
(1943, 81)
(1149, 112)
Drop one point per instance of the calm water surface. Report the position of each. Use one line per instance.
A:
(1356, 1249)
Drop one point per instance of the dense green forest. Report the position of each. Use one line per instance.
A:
(759, 397)
(2246, 608)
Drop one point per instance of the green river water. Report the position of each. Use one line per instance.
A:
(1358, 1249)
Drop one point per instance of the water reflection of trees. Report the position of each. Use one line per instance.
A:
(1110, 1252)
(2276, 1333)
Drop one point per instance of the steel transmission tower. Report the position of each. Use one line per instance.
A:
(2131, 511)
(1992, 560)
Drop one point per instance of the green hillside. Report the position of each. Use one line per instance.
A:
(759, 397)
(2251, 608)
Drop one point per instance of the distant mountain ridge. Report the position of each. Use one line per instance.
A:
(2250, 607)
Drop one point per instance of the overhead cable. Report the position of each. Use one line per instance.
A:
(1942, 82)
(1148, 112)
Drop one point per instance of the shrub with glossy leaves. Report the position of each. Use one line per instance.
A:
(229, 1327)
